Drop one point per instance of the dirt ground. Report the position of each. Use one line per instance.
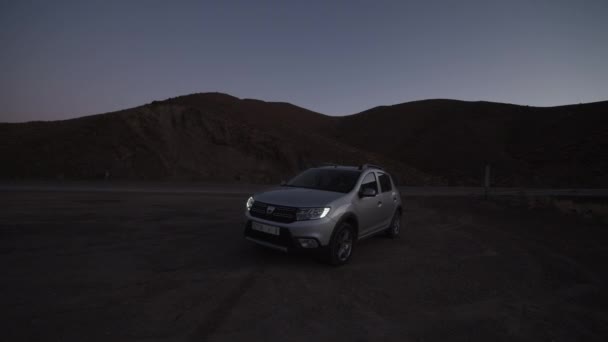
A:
(114, 266)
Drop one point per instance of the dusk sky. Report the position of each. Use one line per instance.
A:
(63, 59)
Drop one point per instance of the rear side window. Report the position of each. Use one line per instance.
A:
(385, 182)
(369, 182)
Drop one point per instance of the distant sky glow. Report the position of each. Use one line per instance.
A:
(62, 59)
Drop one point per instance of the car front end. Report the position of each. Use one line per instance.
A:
(288, 228)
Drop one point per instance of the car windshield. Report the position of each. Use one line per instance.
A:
(326, 179)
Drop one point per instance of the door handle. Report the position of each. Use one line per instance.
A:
(379, 203)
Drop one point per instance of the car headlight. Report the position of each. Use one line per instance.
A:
(249, 203)
(311, 213)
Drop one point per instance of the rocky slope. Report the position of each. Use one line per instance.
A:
(217, 137)
(525, 146)
(208, 137)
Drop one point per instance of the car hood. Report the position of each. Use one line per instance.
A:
(297, 197)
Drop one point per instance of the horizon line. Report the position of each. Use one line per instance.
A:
(305, 108)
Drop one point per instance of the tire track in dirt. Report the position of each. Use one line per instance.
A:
(216, 317)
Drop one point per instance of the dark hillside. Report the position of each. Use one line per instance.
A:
(218, 137)
(526, 146)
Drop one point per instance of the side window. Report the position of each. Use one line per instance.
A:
(369, 182)
(385, 182)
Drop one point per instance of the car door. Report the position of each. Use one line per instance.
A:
(368, 208)
(388, 197)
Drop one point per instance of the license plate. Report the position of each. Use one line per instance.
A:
(265, 228)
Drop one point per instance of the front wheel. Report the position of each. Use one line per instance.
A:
(393, 230)
(341, 245)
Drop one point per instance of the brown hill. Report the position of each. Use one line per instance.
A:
(218, 137)
(214, 137)
(526, 146)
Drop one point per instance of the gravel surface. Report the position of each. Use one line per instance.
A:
(161, 266)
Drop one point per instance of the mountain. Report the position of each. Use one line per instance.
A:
(218, 137)
(209, 137)
(525, 146)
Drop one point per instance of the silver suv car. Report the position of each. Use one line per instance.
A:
(325, 209)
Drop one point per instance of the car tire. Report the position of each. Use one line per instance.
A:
(394, 229)
(341, 246)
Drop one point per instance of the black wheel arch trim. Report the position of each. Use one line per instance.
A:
(350, 217)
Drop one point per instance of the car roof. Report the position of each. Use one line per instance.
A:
(361, 168)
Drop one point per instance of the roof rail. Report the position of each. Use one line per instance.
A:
(370, 166)
(329, 165)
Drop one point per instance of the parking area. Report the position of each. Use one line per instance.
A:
(123, 266)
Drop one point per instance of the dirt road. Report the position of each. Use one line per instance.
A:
(124, 266)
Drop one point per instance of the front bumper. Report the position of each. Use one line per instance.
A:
(320, 230)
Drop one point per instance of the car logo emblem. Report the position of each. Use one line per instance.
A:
(269, 210)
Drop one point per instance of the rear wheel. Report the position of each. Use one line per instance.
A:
(341, 245)
(395, 227)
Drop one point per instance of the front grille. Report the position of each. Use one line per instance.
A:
(280, 213)
(284, 238)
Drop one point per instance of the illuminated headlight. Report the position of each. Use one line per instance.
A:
(311, 213)
(249, 203)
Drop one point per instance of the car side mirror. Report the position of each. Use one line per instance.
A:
(367, 192)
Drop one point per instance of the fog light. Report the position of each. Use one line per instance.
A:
(308, 243)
